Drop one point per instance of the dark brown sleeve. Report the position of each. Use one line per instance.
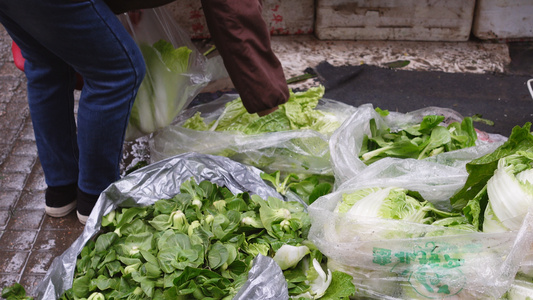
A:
(243, 41)
(122, 6)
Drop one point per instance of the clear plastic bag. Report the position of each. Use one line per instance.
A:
(294, 151)
(175, 71)
(163, 180)
(522, 288)
(345, 143)
(392, 259)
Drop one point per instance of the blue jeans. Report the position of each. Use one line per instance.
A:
(58, 38)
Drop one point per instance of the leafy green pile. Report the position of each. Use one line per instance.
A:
(295, 135)
(158, 98)
(307, 187)
(15, 292)
(201, 244)
(495, 197)
(298, 113)
(419, 141)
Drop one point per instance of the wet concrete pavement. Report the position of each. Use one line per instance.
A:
(30, 240)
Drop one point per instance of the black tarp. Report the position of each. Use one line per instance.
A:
(501, 98)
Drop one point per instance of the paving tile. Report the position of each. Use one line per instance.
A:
(5, 51)
(8, 87)
(22, 94)
(4, 150)
(30, 283)
(30, 199)
(8, 199)
(56, 241)
(27, 132)
(69, 222)
(18, 164)
(8, 280)
(13, 180)
(22, 219)
(17, 239)
(13, 261)
(3, 112)
(36, 180)
(11, 69)
(39, 262)
(16, 114)
(7, 137)
(4, 218)
(23, 147)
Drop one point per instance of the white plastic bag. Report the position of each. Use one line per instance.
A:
(345, 143)
(295, 151)
(175, 71)
(393, 259)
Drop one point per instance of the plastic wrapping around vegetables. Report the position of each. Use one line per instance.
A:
(175, 71)
(294, 139)
(379, 228)
(347, 142)
(162, 180)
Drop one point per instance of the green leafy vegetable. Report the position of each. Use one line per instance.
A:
(505, 173)
(419, 141)
(199, 244)
(289, 256)
(307, 187)
(510, 193)
(481, 169)
(15, 292)
(158, 98)
(389, 203)
(299, 112)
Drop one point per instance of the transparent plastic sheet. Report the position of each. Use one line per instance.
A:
(521, 289)
(163, 180)
(393, 259)
(345, 143)
(436, 183)
(295, 151)
(526, 267)
(164, 92)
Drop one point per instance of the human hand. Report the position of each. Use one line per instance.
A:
(267, 111)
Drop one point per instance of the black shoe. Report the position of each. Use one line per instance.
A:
(60, 200)
(85, 205)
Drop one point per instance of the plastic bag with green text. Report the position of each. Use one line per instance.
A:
(404, 258)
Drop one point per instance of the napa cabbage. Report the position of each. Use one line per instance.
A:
(161, 95)
(298, 113)
(499, 191)
(510, 193)
(389, 203)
